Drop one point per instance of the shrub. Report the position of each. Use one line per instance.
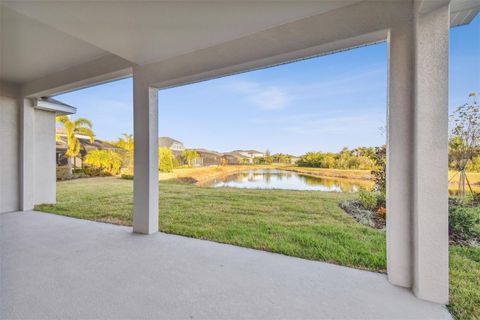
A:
(367, 199)
(63, 173)
(381, 199)
(464, 222)
(94, 172)
(127, 176)
(107, 161)
(382, 212)
(380, 171)
(166, 160)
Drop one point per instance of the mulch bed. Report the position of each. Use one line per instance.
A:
(365, 217)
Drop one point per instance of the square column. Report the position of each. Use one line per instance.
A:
(27, 157)
(430, 211)
(400, 145)
(145, 131)
(417, 154)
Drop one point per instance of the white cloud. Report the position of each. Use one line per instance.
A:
(264, 97)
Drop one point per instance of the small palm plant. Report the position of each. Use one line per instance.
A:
(81, 126)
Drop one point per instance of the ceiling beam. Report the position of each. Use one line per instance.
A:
(101, 70)
(347, 27)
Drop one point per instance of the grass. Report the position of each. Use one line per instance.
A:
(473, 178)
(465, 282)
(304, 224)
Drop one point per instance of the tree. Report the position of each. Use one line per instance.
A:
(268, 157)
(188, 155)
(107, 161)
(464, 139)
(127, 143)
(166, 159)
(81, 126)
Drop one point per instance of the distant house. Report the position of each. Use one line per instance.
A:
(172, 144)
(85, 147)
(250, 155)
(232, 158)
(207, 158)
(176, 146)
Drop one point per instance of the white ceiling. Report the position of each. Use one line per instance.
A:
(42, 37)
(145, 32)
(30, 50)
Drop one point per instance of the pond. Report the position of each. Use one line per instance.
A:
(282, 179)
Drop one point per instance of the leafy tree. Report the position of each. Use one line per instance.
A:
(108, 161)
(464, 139)
(188, 155)
(268, 157)
(81, 126)
(474, 165)
(166, 159)
(127, 143)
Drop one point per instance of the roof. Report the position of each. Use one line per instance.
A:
(205, 151)
(167, 142)
(233, 154)
(248, 151)
(87, 145)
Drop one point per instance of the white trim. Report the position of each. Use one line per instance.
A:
(59, 109)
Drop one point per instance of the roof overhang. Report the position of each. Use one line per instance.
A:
(102, 41)
(52, 105)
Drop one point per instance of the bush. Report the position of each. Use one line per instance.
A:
(166, 160)
(63, 173)
(371, 200)
(381, 199)
(107, 161)
(95, 172)
(367, 199)
(127, 176)
(464, 222)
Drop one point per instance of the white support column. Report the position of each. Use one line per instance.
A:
(400, 155)
(417, 154)
(27, 145)
(145, 130)
(430, 219)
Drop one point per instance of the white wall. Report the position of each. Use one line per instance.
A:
(9, 155)
(41, 152)
(44, 157)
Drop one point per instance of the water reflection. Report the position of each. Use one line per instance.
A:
(281, 179)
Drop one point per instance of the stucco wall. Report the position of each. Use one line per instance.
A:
(9, 155)
(44, 159)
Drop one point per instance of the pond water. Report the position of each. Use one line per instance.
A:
(282, 179)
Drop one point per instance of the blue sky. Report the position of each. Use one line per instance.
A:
(324, 103)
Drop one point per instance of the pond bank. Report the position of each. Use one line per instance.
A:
(204, 174)
(200, 175)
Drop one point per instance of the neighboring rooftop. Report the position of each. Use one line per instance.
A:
(167, 142)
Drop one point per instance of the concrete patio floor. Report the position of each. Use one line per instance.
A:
(57, 267)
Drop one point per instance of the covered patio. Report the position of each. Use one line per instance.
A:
(56, 267)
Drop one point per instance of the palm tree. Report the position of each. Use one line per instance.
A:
(126, 143)
(81, 126)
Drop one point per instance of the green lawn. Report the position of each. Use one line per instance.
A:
(304, 224)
